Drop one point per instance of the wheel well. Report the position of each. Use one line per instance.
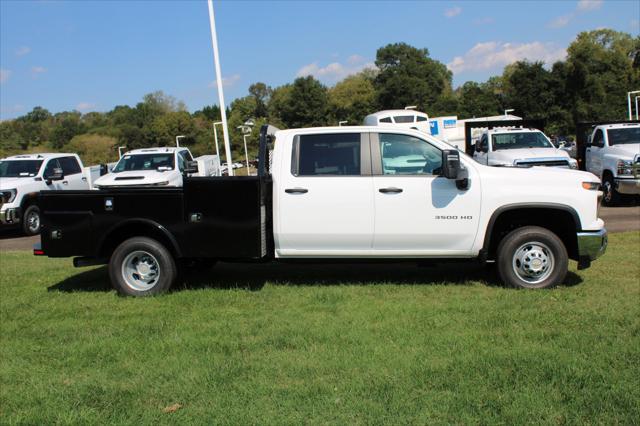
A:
(29, 199)
(137, 229)
(561, 222)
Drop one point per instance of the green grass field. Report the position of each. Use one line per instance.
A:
(277, 344)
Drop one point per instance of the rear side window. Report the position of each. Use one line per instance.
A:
(69, 166)
(385, 120)
(404, 118)
(332, 154)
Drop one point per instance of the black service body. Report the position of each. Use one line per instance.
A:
(219, 217)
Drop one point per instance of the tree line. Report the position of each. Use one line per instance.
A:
(590, 84)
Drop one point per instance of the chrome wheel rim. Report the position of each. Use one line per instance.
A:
(608, 190)
(33, 221)
(140, 270)
(533, 262)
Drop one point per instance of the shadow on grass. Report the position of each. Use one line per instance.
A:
(254, 276)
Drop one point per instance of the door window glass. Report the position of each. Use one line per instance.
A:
(597, 139)
(385, 120)
(404, 118)
(69, 166)
(331, 154)
(408, 155)
(52, 164)
(419, 118)
(181, 162)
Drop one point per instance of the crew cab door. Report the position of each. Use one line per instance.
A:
(594, 153)
(73, 176)
(323, 197)
(54, 185)
(419, 212)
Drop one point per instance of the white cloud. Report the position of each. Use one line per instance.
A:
(495, 55)
(23, 50)
(583, 6)
(35, 71)
(587, 5)
(226, 81)
(84, 106)
(4, 75)
(454, 11)
(335, 71)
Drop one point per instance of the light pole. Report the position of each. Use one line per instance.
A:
(215, 136)
(178, 140)
(340, 123)
(216, 62)
(637, 114)
(629, 102)
(411, 107)
(507, 111)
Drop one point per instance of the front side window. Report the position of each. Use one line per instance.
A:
(624, 136)
(157, 161)
(517, 140)
(385, 120)
(69, 166)
(404, 118)
(51, 165)
(408, 155)
(597, 139)
(19, 168)
(420, 118)
(331, 154)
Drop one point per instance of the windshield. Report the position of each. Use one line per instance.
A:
(144, 162)
(518, 140)
(19, 168)
(624, 136)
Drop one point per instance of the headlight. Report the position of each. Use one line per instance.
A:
(573, 164)
(8, 195)
(591, 186)
(625, 167)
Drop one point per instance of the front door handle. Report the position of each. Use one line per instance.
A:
(296, 190)
(390, 190)
(65, 182)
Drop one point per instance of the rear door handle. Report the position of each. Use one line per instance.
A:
(65, 182)
(390, 190)
(296, 190)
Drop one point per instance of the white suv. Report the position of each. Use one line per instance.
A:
(518, 147)
(22, 177)
(613, 154)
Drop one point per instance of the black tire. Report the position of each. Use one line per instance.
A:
(31, 220)
(611, 197)
(523, 254)
(150, 256)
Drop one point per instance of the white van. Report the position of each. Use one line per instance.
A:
(405, 118)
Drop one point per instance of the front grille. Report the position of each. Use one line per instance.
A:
(544, 163)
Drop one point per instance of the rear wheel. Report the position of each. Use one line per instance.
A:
(31, 220)
(142, 266)
(532, 257)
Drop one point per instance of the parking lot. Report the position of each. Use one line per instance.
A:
(617, 219)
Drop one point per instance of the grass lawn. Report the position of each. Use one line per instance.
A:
(278, 344)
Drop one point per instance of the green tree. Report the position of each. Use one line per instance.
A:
(352, 99)
(94, 149)
(67, 125)
(528, 88)
(307, 105)
(261, 93)
(477, 100)
(408, 76)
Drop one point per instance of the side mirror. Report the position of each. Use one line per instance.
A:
(56, 174)
(450, 163)
(191, 167)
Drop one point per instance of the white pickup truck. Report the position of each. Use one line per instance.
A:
(518, 147)
(156, 167)
(23, 176)
(613, 154)
(358, 193)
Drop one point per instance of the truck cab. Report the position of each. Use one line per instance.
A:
(23, 176)
(520, 147)
(403, 118)
(148, 167)
(613, 154)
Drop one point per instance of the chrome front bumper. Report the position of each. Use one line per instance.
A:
(628, 186)
(591, 245)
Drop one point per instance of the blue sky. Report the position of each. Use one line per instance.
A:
(93, 55)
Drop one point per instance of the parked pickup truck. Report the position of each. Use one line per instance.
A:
(357, 193)
(613, 154)
(23, 176)
(518, 147)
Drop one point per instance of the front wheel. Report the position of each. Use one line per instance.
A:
(610, 197)
(142, 266)
(31, 220)
(532, 257)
